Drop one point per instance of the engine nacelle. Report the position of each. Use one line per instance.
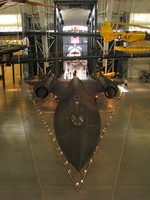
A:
(109, 88)
(44, 87)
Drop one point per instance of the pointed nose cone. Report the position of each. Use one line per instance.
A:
(77, 137)
(77, 125)
(81, 149)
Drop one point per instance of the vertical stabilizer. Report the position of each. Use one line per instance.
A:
(107, 32)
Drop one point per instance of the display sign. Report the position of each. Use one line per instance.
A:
(75, 40)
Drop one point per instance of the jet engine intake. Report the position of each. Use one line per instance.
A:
(109, 88)
(110, 92)
(44, 87)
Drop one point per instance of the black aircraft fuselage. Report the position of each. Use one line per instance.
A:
(77, 124)
(77, 120)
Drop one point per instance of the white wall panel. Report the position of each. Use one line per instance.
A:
(136, 65)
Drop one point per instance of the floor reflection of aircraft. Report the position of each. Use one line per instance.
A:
(77, 120)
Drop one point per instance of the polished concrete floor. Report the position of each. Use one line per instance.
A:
(30, 167)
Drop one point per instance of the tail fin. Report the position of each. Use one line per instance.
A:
(107, 32)
(1, 4)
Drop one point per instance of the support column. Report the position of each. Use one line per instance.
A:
(58, 27)
(109, 11)
(20, 71)
(57, 62)
(94, 68)
(3, 76)
(20, 81)
(13, 73)
(43, 25)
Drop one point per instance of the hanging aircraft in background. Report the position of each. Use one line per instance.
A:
(109, 75)
(7, 52)
(133, 41)
(77, 121)
(3, 2)
(136, 47)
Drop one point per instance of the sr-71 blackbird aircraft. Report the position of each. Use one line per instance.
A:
(77, 121)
